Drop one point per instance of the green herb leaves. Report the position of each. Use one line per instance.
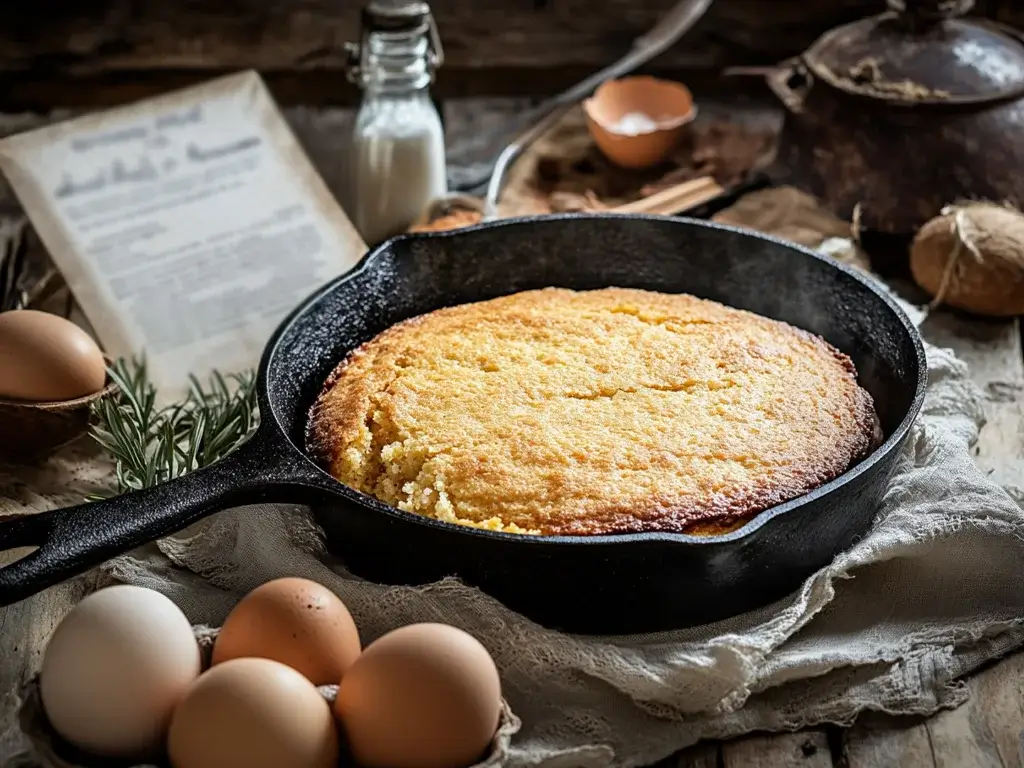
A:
(151, 445)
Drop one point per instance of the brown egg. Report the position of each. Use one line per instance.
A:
(45, 358)
(636, 121)
(296, 622)
(255, 713)
(423, 696)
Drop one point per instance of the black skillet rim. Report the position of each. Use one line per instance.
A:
(893, 442)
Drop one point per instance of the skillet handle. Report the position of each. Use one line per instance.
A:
(75, 539)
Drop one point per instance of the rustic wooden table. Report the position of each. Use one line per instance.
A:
(986, 731)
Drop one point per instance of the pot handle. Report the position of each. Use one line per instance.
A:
(791, 81)
(76, 539)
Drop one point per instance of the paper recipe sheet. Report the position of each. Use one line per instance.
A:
(186, 226)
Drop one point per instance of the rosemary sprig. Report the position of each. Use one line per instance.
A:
(151, 445)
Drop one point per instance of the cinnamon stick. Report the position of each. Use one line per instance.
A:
(675, 199)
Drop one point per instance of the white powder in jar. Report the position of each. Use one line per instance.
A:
(398, 167)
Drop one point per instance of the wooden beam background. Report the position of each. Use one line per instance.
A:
(85, 54)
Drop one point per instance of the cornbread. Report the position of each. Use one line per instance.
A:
(594, 412)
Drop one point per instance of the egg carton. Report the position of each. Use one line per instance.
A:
(53, 752)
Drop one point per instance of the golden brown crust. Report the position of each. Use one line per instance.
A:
(594, 412)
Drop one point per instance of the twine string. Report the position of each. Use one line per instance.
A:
(961, 243)
(855, 224)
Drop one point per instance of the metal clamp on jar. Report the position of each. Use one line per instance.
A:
(398, 152)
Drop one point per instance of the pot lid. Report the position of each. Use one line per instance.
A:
(922, 52)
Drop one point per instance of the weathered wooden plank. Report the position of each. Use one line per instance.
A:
(700, 756)
(67, 53)
(962, 739)
(83, 38)
(987, 731)
(808, 749)
(876, 741)
(992, 351)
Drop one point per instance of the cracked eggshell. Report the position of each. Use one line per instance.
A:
(662, 109)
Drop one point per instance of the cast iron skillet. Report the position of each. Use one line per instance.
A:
(608, 584)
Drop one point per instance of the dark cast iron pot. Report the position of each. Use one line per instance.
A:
(893, 117)
(604, 584)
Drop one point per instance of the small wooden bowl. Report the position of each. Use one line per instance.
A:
(36, 430)
(664, 109)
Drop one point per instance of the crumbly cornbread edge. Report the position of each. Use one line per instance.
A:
(324, 441)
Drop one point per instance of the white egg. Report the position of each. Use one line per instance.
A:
(114, 670)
